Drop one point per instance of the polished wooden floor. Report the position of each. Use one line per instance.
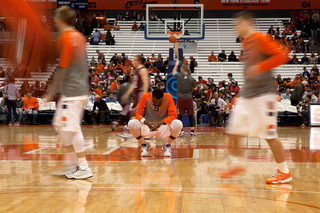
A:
(123, 182)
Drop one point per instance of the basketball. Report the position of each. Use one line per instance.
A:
(172, 39)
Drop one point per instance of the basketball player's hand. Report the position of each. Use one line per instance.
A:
(177, 63)
(158, 123)
(48, 97)
(253, 71)
(150, 125)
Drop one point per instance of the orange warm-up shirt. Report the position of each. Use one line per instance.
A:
(263, 54)
(212, 58)
(135, 26)
(185, 62)
(114, 86)
(31, 102)
(98, 92)
(165, 112)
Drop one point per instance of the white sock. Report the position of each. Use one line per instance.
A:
(83, 163)
(283, 167)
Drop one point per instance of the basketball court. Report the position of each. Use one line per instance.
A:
(123, 182)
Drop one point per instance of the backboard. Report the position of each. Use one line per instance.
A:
(164, 18)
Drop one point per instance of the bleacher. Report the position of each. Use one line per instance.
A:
(40, 76)
(218, 36)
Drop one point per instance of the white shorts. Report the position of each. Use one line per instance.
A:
(164, 131)
(254, 117)
(69, 113)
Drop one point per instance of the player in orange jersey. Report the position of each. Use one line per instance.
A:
(156, 116)
(71, 78)
(255, 113)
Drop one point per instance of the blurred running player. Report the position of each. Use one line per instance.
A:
(160, 120)
(255, 114)
(139, 86)
(30, 47)
(71, 77)
(125, 113)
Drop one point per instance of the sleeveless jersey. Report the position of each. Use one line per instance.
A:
(137, 80)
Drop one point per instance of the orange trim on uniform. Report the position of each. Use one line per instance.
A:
(172, 112)
(271, 126)
(71, 46)
(277, 54)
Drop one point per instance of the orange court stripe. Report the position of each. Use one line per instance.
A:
(271, 127)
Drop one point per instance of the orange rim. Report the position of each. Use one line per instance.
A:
(174, 33)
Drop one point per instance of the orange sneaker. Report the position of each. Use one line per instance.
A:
(280, 178)
(232, 172)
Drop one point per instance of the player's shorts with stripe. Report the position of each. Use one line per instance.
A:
(254, 117)
(69, 113)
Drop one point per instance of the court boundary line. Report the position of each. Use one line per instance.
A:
(111, 150)
(33, 151)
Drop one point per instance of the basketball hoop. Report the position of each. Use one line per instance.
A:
(177, 34)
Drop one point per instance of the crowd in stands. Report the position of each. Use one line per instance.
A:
(214, 99)
(88, 24)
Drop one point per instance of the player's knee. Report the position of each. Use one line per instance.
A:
(177, 124)
(133, 124)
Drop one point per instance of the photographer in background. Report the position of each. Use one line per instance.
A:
(303, 111)
(217, 107)
(11, 91)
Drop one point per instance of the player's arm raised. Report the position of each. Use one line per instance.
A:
(175, 69)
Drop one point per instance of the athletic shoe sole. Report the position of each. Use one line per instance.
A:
(79, 178)
(288, 180)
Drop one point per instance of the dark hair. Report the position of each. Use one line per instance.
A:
(308, 96)
(127, 78)
(157, 93)
(245, 15)
(230, 74)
